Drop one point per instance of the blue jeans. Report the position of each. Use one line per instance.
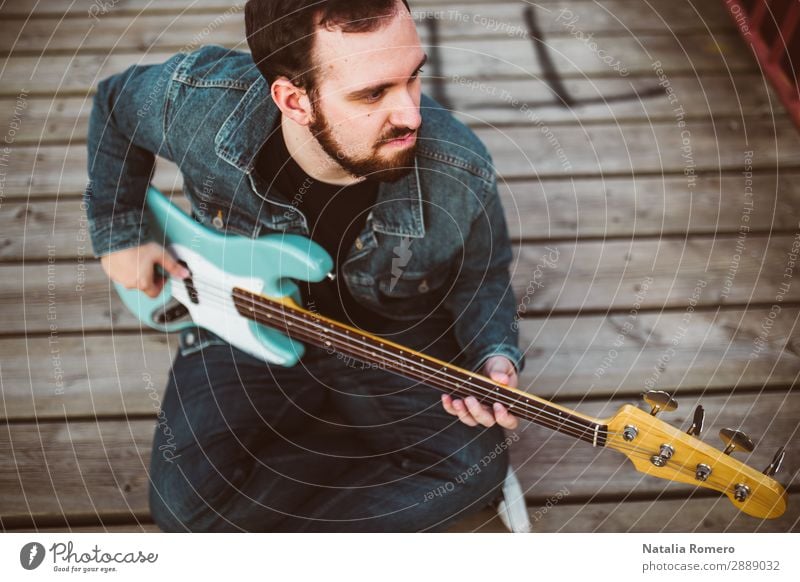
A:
(241, 445)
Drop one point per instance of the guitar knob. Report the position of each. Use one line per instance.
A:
(736, 439)
(775, 465)
(659, 401)
(697, 421)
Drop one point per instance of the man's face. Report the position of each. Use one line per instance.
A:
(366, 112)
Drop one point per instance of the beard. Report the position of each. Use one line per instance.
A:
(373, 167)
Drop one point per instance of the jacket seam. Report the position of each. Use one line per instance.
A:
(456, 162)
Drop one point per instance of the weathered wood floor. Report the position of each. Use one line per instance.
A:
(630, 167)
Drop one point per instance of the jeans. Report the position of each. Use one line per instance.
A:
(327, 445)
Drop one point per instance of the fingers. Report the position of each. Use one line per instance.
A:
(457, 408)
(472, 413)
(479, 412)
(504, 417)
(172, 267)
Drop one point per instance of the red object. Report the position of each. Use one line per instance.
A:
(772, 29)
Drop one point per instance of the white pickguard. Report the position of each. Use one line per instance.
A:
(216, 310)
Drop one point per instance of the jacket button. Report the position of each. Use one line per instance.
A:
(359, 244)
(423, 287)
(217, 221)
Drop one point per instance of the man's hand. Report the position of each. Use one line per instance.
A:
(471, 412)
(135, 268)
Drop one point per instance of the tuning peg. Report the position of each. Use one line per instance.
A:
(773, 467)
(659, 401)
(697, 421)
(735, 439)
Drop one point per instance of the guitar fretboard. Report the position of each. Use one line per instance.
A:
(310, 327)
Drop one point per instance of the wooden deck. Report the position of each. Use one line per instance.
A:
(637, 196)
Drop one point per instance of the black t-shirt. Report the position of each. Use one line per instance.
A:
(336, 215)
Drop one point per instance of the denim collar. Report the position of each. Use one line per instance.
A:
(398, 208)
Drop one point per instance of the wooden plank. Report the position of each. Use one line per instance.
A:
(518, 153)
(111, 33)
(142, 527)
(65, 119)
(61, 170)
(567, 358)
(597, 275)
(584, 276)
(535, 210)
(694, 515)
(87, 468)
(632, 148)
(649, 206)
(63, 377)
(711, 352)
(76, 469)
(507, 58)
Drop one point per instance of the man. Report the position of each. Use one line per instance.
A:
(323, 131)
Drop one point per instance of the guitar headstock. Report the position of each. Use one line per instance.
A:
(661, 450)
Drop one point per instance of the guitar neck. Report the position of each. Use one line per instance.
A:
(309, 327)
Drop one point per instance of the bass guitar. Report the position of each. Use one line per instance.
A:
(244, 291)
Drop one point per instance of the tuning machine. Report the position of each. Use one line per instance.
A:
(775, 465)
(659, 401)
(736, 440)
(697, 421)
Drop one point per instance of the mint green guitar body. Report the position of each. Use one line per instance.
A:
(219, 262)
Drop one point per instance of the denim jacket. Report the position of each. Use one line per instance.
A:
(436, 242)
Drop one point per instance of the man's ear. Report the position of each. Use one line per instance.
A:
(292, 100)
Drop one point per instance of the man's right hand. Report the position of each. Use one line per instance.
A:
(135, 268)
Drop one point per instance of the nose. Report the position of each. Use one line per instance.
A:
(405, 111)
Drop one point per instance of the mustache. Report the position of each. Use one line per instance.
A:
(397, 132)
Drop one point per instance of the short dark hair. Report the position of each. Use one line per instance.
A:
(280, 33)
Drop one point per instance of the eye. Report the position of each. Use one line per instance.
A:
(374, 96)
(418, 73)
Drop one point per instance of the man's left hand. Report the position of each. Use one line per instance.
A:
(472, 413)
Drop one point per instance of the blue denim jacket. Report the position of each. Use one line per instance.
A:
(435, 243)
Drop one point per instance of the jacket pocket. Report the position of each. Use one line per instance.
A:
(414, 293)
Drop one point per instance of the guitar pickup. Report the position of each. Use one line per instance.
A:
(170, 314)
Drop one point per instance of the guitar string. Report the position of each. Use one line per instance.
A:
(348, 340)
(539, 415)
(580, 429)
(283, 310)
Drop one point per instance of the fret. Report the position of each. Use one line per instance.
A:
(304, 325)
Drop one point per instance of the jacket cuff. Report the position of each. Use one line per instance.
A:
(124, 230)
(511, 352)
